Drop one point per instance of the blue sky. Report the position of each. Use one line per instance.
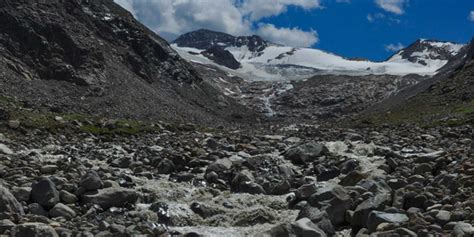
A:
(371, 29)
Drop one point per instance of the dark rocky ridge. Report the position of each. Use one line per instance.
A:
(214, 44)
(222, 57)
(98, 59)
(205, 39)
(440, 53)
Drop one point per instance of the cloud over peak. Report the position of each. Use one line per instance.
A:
(295, 36)
(258, 9)
(171, 18)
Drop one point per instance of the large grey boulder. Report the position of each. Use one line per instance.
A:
(91, 181)
(61, 210)
(304, 153)
(306, 228)
(5, 150)
(361, 213)
(33, 229)
(6, 225)
(334, 200)
(110, 197)
(463, 229)
(378, 217)
(8, 203)
(44, 192)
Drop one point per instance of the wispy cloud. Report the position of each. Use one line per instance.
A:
(375, 17)
(258, 9)
(394, 47)
(382, 17)
(471, 16)
(288, 36)
(392, 6)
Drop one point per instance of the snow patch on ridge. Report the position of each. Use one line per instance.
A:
(276, 62)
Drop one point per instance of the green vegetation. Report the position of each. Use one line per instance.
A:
(426, 113)
(54, 122)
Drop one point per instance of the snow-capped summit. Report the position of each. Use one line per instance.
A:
(205, 39)
(257, 59)
(425, 52)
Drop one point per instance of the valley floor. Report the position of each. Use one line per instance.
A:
(110, 178)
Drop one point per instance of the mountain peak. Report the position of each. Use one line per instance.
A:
(205, 39)
(423, 50)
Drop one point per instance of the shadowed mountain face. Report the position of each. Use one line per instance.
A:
(93, 56)
(205, 39)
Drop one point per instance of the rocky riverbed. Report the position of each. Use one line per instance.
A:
(298, 180)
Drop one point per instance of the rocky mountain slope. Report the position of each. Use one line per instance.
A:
(320, 99)
(94, 57)
(262, 60)
(446, 97)
(424, 51)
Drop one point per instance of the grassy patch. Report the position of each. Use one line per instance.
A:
(61, 122)
(119, 127)
(424, 112)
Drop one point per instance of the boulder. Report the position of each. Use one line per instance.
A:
(33, 229)
(305, 191)
(334, 200)
(378, 217)
(110, 197)
(361, 213)
(338, 205)
(304, 153)
(282, 230)
(22, 194)
(221, 167)
(37, 209)
(91, 181)
(44, 192)
(325, 173)
(251, 187)
(5, 150)
(317, 216)
(241, 177)
(8, 203)
(422, 168)
(166, 166)
(443, 217)
(353, 177)
(67, 197)
(306, 228)
(6, 225)
(14, 124)
(123, 162)
(61, 210)
(48, 169)
(312, 213)
(463, 229)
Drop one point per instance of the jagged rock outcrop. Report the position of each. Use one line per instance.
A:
(422, 51)
(205, 39)
(93, 56)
